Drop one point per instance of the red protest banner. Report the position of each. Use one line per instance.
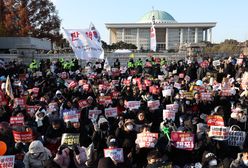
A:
(215, 120)
(83, 103)
(105, 100)
(25, 137)
(19, 101)
(115, 154)
(17, 121)
(133, 104)
(146, 140)
(182, 140)
(111, 112)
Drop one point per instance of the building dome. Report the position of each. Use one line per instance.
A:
(160, 17)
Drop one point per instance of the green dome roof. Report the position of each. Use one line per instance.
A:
(160, 17)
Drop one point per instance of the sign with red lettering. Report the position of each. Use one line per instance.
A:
(219, 132)
(167, 114)
(111, 112)
(172, 107)
(114, 153)
(166, 92)
(105, 100)
(153, 105)
(7, 161)
(32, 109)
(146, 140)
(226, 92)
(94, 113)
(24, 137)
(182, 140)
(83, 103)
(133, 105)
(19, 102)
(17, 121)
(69, 117)
(215, 120)
(206, 96)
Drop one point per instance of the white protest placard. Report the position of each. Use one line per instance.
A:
(236, 138)
(206, 96)
(166, 92)
(153, 105)
(219, 133)
(115, 154)
(7, 161)
(216, 63)
(172, 107)
(94, 113)
(71, 118)
(177, 85)
(167, 114)
(133, 105)
(111, 112)
(146, 140)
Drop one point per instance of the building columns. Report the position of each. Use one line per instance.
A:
(206, 35)
(137, 39)
(167, 39)
(123, 35)
(181, 36)
(196, 35)
(210, 35)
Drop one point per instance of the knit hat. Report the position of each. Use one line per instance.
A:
(36, 147)
(207, 157)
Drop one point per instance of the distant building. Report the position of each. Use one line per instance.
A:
(24, 45)
(169, 33)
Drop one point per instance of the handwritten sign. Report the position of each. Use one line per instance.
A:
(215, 120)
(111, 112)
(219, 132)
(146, 140)
(182, 140)
(153, 105)
(115, 154)
(24, 137)
(167, 114)
(7, 161)
(70, 139)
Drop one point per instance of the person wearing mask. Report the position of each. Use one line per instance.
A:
(37, 155)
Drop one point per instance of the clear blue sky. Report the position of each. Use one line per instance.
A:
(231, 16)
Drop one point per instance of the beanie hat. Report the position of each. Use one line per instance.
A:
(207, 157)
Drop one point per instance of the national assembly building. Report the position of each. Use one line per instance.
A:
(170, 34)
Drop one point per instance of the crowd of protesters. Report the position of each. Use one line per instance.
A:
(191, 109)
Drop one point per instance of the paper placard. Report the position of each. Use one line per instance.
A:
(167, 114)
(133, 105)
(17, 121)
(188, 95)
(172, 107)
(7, 161)
(177, 85)
(24, 137)
(94, 113)
(83, 103)
(166, 92)
(70, 139)
(20, 102)
(32, 109)
(206, 96)
(226, 92)
(216, 63)
(71, 116)
(182, 140)
(111, 112)
(115, 154)
(215, 120)
(146, 140)
(161, 77)
(105, 100)
(153, 105)
(219, 133)
(236, 138)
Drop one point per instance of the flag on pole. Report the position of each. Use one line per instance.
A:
(86, 43)
(153, 43)
(8, 88)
